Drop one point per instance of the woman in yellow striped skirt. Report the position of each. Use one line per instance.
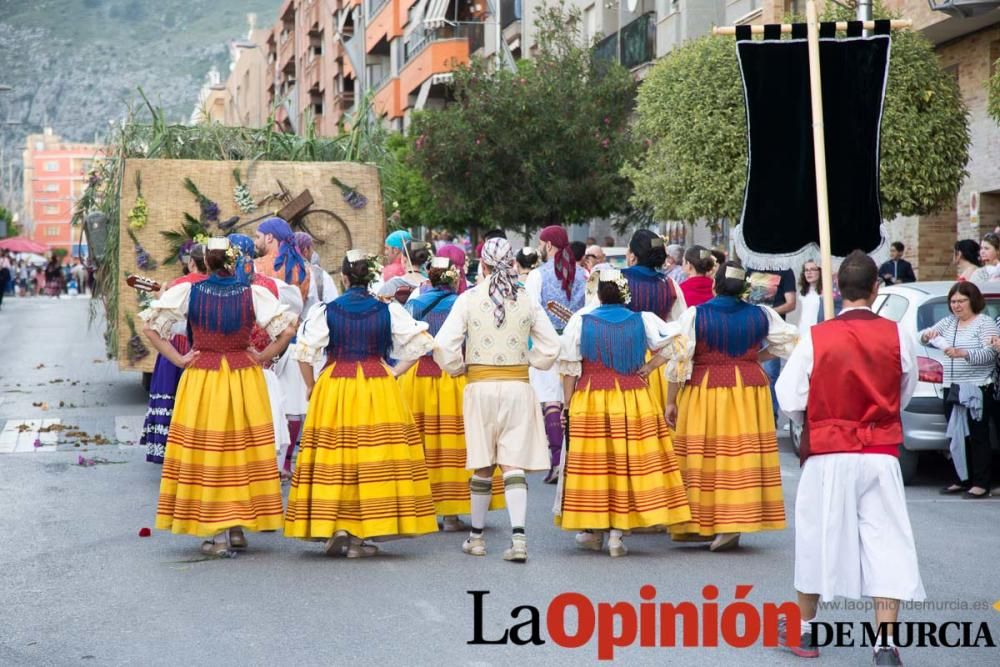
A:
(621, 472)
(361, 471)
(219, 472)
(725, 437)
(435, 400)
(652, 291)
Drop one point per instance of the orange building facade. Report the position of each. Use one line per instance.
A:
(55, 176)
(320, 56)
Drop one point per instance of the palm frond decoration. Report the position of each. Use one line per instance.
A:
(190, 229)
(209, 209)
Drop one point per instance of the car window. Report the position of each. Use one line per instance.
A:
(879, 300)
(894, 307)
(935, 310)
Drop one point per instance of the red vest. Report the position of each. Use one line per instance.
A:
(854, 390)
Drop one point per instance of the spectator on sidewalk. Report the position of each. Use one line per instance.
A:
(989, 255)
(775, 289)
(674, 266)
(966, 259)
(896, 270)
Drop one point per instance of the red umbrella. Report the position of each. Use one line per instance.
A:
(21, 244)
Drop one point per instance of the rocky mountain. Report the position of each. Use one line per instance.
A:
(75, 65)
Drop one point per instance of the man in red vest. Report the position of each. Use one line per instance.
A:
(847, 383)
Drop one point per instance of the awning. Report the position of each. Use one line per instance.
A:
(437, 13)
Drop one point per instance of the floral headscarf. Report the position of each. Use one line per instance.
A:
(498, 255)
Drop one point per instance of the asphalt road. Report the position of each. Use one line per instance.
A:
(79, 586)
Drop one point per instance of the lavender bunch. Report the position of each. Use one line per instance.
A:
(354, 199)
(143, 260)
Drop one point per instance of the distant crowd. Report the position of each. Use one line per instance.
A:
(53, 278)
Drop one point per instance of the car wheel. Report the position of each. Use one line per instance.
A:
(908, 461)
(147, 378)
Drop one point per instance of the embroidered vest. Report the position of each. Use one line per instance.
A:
(220, 320)
(552, 290)
(613, 347)
(652, 291)
(729, 333)
(854, 403)
(433, 308)
(487, 344)
(360, 333)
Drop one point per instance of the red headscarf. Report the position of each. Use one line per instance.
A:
(564, 260)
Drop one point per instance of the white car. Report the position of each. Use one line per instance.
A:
(917, 306)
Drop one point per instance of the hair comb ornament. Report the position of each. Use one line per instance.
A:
(356, 256)
(217, 243)
(656, 242)
(735, 273)
(440, 263)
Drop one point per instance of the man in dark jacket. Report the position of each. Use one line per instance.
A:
(896, 270)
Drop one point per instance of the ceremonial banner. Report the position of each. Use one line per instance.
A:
(779, 225)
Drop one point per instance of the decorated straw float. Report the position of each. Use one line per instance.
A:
(162, 186)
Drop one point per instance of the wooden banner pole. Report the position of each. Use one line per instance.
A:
(819, 149)
(786, 28)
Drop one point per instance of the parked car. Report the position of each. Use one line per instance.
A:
(917, 306)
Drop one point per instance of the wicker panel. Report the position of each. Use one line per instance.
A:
(167, 201)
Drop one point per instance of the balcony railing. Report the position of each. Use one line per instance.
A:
(636, 46)
(963, 8)
(374, 6)
(474, 32)
(378, 76)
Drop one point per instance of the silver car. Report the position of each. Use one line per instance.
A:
(918, 306)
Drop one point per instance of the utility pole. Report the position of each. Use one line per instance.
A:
(498, 29)
(865, 13)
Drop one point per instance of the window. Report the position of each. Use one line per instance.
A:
(589, 25)
(51, 165)
(52, 230)
(52, 187)
(894, 307)
(51, 210)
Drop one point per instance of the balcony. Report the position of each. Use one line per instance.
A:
(430, 55)
(312, 14)
(951, 19)
(636, 45)
(387, 100)
(374, 6)
(286, 51)
(313, 78)
(382, 23)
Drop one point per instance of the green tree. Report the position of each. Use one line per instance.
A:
(692, 116)
(409, 202)
(540, 145)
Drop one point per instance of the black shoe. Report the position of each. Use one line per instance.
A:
(807, 646)
(953, 489)
(887, 656)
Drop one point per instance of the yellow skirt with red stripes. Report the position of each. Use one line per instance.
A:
(436, 406)
(657, 383)
(219, 469)
(728, 452)
(361, 463)
(620, 469)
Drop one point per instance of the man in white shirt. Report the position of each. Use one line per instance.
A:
(852, 530)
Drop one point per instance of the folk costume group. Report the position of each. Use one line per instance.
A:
(439, 408)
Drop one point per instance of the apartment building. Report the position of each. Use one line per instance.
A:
(55, 176)
(966, 35)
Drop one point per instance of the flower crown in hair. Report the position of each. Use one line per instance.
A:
(450, 273)
(374, 266)
(615, 276)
